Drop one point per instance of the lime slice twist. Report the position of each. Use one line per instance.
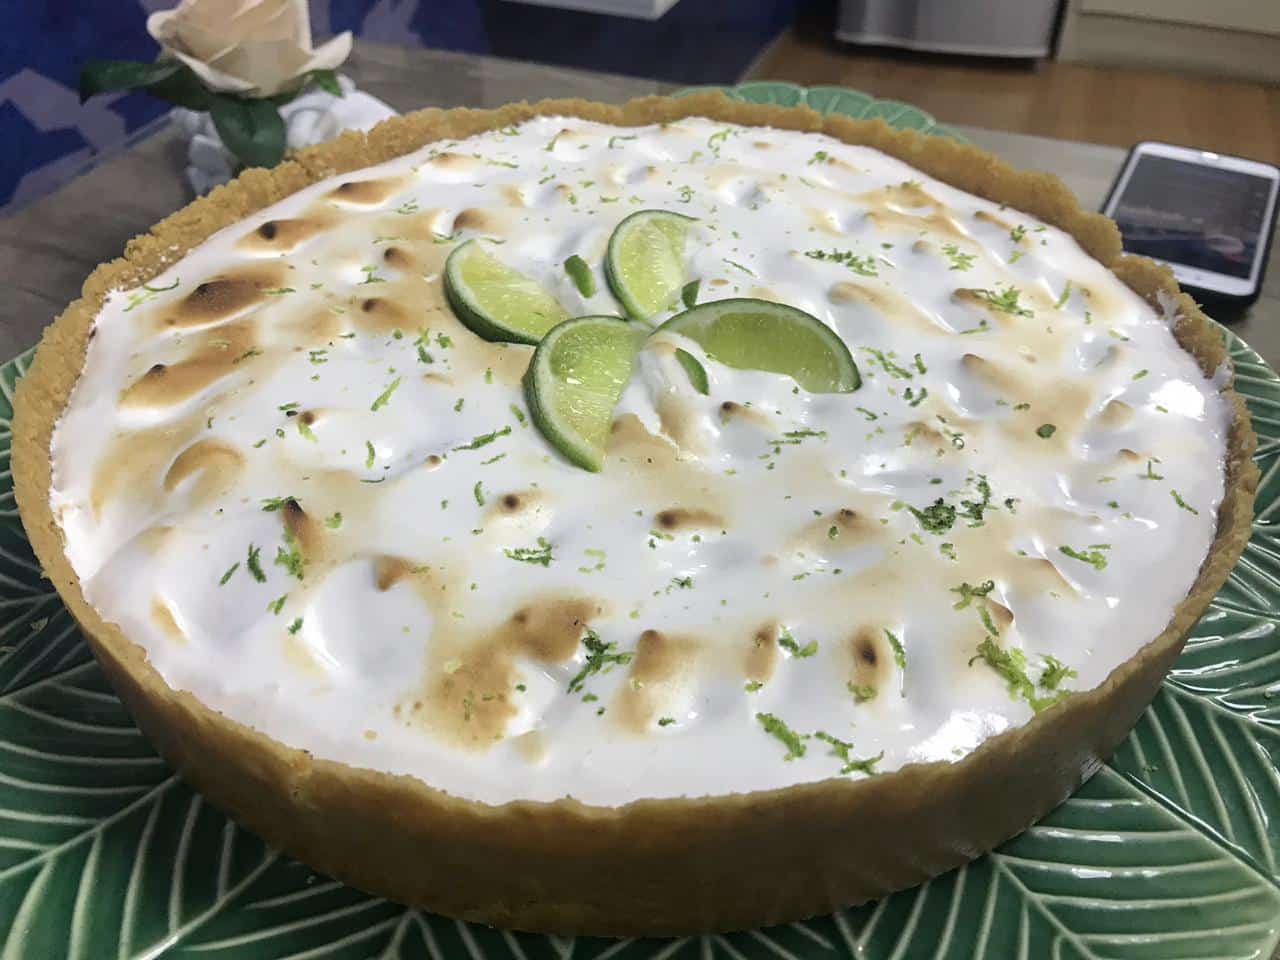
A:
(574, 381)
(495, 301)
(644, 263)
(761, 335)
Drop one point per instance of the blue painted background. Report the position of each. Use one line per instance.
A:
(46, 135)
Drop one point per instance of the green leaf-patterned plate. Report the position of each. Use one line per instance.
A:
(851, 103)
(1170, 851)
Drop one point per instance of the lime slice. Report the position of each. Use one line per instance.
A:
(762, 335)
(574, 381)
(495, 301)
(645, 261)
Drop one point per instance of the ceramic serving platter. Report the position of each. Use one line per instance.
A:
(1170, 851)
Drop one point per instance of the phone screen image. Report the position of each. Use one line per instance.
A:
(1193, 214)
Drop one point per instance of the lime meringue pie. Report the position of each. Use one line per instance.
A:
(524, 494)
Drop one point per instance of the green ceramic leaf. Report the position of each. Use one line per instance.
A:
(729, 92)
(1256, 381)
(941, 130)
(851, 103)
(767, 91)
(1169, 853)
(1107, 874)
(901, 115)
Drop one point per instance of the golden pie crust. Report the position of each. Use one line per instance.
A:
(650, 867)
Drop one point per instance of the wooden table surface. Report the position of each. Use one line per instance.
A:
(48, 248)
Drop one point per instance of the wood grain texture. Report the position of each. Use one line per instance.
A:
(1163, 44)
(1069, 101)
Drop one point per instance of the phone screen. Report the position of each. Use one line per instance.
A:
(1193, 214)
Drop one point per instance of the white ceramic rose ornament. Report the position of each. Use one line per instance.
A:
(237, 68)
(255, 48)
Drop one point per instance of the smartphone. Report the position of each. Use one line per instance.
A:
(1207, 215)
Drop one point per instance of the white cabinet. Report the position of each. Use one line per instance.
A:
(1253, 16)
(1229, 38)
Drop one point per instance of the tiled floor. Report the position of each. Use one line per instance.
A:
(1074, 101)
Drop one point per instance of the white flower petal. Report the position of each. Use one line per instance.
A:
(331, 54)
(302, 18)
(271, 66)
(212, 77)
(254, 47)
